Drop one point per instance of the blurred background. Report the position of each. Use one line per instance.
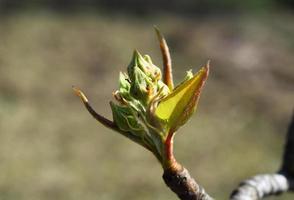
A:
(51, 148)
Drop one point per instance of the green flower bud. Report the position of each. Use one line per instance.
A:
(149, 109)
(145, 78)
(136, 91)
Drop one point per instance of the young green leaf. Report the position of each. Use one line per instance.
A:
(175, 109)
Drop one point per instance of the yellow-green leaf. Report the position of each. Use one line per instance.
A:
(175, 109)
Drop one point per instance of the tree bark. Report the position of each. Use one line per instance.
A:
(180, 182)
(261, 186)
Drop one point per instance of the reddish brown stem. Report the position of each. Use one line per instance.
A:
(169, 149)
(177, 178)
(169, 160)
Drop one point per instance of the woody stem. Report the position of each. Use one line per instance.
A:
(178, 179)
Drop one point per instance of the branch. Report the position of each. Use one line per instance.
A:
(261, 186)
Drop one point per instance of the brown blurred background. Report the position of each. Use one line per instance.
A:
(51, 148)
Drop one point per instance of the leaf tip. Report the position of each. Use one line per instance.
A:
(157, 31)
(136, 52)
(80, 94)
(206, 70)
(207, 66)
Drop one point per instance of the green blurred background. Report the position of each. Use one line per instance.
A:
(51, 148)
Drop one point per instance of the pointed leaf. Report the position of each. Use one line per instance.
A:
(167, 64)
(175, 109)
